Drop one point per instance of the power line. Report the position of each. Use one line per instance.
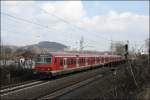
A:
(70, 24)
(63, 20)
(44, 26)
(25, 20)
(75, 26)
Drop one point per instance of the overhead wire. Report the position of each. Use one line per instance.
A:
(22, 19)
(75, 26)
(28, 21)
(65, 21)
(61, 19)
(46, 26)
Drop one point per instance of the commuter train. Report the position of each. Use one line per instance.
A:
(52, 64)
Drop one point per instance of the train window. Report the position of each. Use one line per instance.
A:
(39, 59)
(97, 59)
(74, 61)
(61, 61)
(65, 62)
(44, 59)
(55, 60)
(68, 62)
(71, 61)
(77, 61)
(47, 60)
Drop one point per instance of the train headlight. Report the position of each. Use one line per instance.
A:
(34, 72)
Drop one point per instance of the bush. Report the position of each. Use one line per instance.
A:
(14, 73)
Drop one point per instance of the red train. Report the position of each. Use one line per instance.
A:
(52, 64)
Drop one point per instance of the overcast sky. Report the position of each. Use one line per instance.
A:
(28, 22)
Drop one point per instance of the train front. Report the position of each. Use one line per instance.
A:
(43, 66)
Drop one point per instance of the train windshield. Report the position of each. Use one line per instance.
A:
(44, 59)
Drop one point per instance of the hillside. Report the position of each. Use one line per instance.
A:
(46, 45)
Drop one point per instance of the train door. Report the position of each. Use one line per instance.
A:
(104, 60)
(65, 63)
(95, 60)
(77, 62)
(86, 61)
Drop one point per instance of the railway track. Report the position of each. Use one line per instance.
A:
(62, 91)
(52, 87)
(14, 87)
(68, 89)
(19, 86)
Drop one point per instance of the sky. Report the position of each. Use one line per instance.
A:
(98, 22)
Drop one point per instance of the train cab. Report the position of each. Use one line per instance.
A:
(43, 63)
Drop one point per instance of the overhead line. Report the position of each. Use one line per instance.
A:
(18, 18)
(27, 21)
(45, 26)
(62, 19)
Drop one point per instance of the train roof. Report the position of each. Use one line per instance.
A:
(66, 54)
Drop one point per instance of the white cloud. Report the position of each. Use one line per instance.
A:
(24, 9)
(119, 26)
(69, 9)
